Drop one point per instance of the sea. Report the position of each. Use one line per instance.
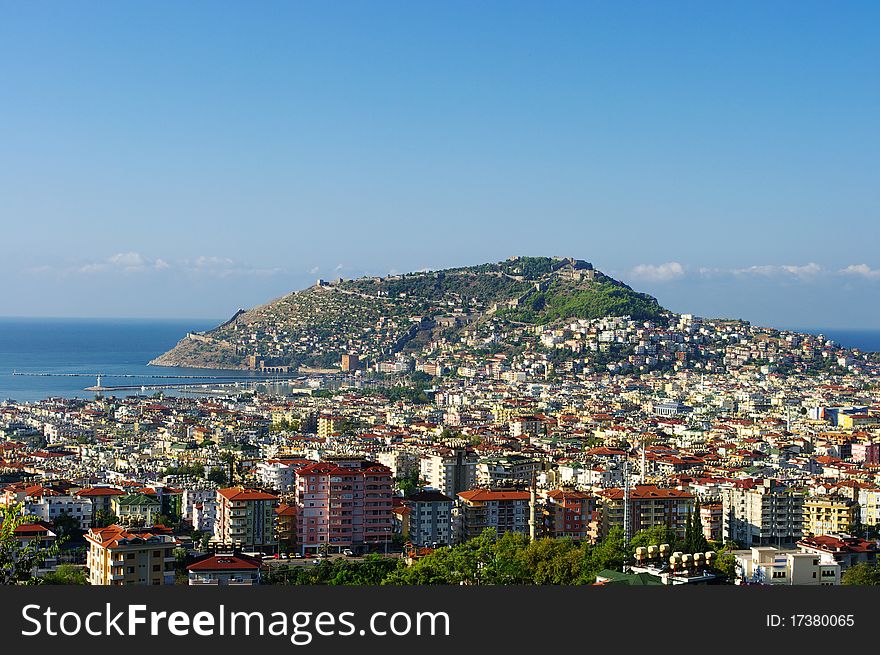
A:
(61, 357)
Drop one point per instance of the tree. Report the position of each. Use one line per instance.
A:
(697, 542)
(654, 536)
(862, 574)
(229, 459)
(725, 562)
(66, 525)
(218, 475)
(19, 558)
(165, 519)
(105, 518)
(607, 554)
(409, 484)
(66, 574)
(180, 555)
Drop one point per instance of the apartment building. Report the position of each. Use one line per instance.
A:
(285, 527)
(246, 518)
(869, 505)
(276, 474)
(650, 506)
(430, 519)
(136, 509)
(449, 470)
(102, 500)
(865, 452)
(768, 565)
(343, 503)
(136, 556)
(45, 536)
(329, 424)
(505, 510)
(505, 470)
(712, 518)
(199, 505)
(828, 514)
(402, 463)
(570, 513)
(762, 513)
(49, 507)
(529, 427)
(843, 549)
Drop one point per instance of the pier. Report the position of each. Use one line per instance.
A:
(147, 376)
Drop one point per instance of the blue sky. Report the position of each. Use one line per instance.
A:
(187, 159)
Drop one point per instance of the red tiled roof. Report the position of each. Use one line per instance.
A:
(100, 491)
(484, 495)
(240, 493)
(645, 491)
(225, 563)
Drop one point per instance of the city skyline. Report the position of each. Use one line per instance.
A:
(171, 161)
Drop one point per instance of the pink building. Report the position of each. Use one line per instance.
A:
(869, 453)
(343, 503)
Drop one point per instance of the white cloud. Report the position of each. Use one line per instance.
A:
(122, 262)
(134, 262)
(127, 260)
(213, 262)
(659, 272)
(862, 270)
(213, 266)
(314, 270)
(807, 271)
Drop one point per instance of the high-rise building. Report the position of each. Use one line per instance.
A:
(828, 514)
(650, 506)
(430, 519)
(449, 470)
(570, 513)
(246, 518)
(343, 503)
(136, 556)
(506, 470)
(504, 510)
(762, 514)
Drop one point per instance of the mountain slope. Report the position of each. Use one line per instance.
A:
(375, 316)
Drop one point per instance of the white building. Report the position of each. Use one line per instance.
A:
(449, 471)
(762, 515)
(771, 566)
(402, 463)
(276, 474)
(49, 508)
(199, 506)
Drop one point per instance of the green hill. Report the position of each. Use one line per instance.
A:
(376, 316)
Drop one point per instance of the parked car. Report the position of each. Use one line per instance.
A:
(348, 552)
